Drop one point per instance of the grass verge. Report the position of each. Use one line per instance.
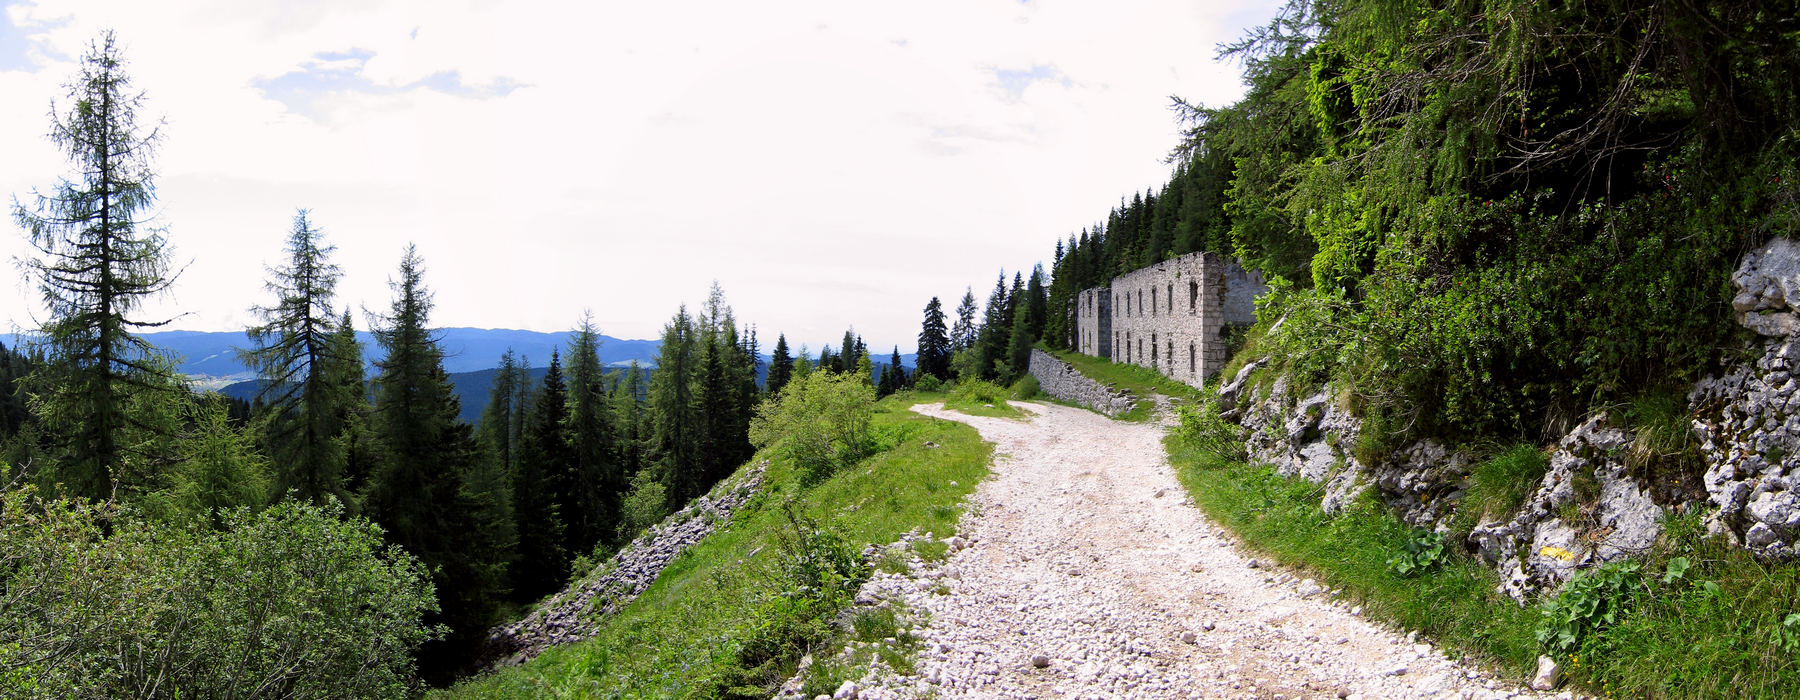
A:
(712, 624)
(982, 398)
(1694, 618)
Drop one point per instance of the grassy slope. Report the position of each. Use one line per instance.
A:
(684, 633)
(1140, 381)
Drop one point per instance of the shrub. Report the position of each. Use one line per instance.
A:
(1202, 427)
(980, 392)
(1026, 388)
(820, 422)
(97, 602)
(646, 505)
(1424, 551)
(927, 383)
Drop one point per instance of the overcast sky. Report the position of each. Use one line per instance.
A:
(829, 163)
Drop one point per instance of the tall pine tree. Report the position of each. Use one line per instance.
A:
(588, 494)
(544, 453)
(781, 367)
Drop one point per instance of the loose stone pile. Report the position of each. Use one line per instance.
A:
(1057, 379)
(570, 616)
(1080, 571)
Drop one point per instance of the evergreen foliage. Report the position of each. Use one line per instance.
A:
(587, 492)
(292, 350)
(935, 344)
(781, 367)
(99, 261)
(544, 456)
(425, 494)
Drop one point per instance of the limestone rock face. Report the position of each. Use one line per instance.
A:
(1768, 282)
(1748, 418)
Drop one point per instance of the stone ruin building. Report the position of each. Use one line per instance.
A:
(1169, 316)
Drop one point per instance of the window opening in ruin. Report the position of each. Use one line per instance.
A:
(1193, 295)
(1191, 366)
(1140, 352)
(1153, 340)
(1152, 301)
(1171, 297)
(1171, 354)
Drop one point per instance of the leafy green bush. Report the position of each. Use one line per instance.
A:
(1202, 427)
(927, 383)
(979, 392)
(1590, 603)
(1026, 388)
(95, 602)
(820, 421)
(646, 505)
(1424, 551)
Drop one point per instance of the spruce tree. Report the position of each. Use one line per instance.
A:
(934, 343)
(98, 261)
(781, 367)
(588, 494)
(357, 441)
(425, 494)
(496, 429)
(995, 335)
(901, 381)
(544, 453)
(292, 355)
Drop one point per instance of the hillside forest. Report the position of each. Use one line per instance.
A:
(343, 534)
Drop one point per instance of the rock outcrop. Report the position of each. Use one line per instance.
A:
(571, 616)
(1064, 383)
(1748, 418)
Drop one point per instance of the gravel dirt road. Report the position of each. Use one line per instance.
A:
(1082, 570)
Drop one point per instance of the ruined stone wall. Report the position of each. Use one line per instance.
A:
(1063, 382)
(1168, 316)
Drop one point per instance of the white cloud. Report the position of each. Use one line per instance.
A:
(830, 163)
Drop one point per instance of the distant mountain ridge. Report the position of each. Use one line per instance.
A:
(211, 357)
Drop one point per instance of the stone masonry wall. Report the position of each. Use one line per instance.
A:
(1061, 381)
(1168, 316)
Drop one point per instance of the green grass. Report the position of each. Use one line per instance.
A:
(982, 398)
(1140, 381)
(1500, 484)
(1454, 602)
(684, 636)
(1717, 631)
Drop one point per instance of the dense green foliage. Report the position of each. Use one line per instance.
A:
(295, 601)
(1467, 199)
(819, 422)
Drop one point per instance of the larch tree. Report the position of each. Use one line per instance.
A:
(292, 353)
(98, 261)
(675, 429)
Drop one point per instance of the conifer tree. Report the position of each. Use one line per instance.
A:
(962, 334)
(356, 439)
(99, 261)
(543, 559)
(675, 433)
(781, 367)
(828, 361)
(292, 354)
(630, 419)
(425, 494)
(934, 343)
(496, 429)
(995, 335)
(802, 364)
(588, 493)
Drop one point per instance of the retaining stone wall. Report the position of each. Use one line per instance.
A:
(1063, 382)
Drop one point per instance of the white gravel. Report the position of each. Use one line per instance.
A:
(1082, 549)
